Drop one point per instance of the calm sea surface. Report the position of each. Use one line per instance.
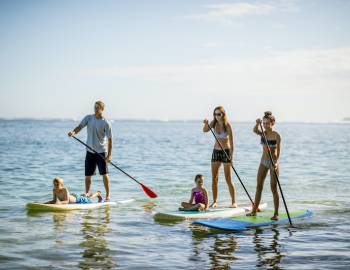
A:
(315, 169)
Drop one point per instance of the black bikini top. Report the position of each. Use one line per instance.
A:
(271, 143)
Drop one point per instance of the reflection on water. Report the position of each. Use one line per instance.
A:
(90, 228)
(268, 248)
(95, 225)
(221, 252)
(221, 249)
(60, 220)
(149, 206)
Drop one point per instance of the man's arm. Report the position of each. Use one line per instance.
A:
(109, 152)
(82, 124)
(74, 131)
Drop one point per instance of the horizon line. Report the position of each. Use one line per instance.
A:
(344, 120)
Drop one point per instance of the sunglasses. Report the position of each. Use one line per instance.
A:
(218, 114)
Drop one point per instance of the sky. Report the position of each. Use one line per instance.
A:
(175, 60)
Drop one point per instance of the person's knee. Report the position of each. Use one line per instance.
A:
(259, 186)
(228, 179)
(274, 191)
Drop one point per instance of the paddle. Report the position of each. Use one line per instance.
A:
(274, 169)
(147, 190)
(231, 165)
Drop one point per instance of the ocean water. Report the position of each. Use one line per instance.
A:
(315, 168)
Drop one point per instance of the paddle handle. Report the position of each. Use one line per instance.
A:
(274, 169)
(216, 138)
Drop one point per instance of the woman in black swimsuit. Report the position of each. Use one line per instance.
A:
(223, 132)
(274, 142)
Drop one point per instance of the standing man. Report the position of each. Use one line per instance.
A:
(99, 138)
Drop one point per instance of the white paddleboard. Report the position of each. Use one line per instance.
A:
(72, 206)
(212, 213)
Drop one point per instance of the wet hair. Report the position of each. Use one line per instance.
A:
(224, 117)
(198, 176)
(268, 115)
(58, 180)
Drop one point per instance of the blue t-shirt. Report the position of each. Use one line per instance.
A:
(98, 133)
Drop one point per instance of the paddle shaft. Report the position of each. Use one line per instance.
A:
(274, 170)
(109, 162)
(246, 191)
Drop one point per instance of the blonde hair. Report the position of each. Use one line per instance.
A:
(58, 180)
(224, 117)
(100, 103)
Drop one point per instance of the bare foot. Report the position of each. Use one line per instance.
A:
(234, 205)
(251, 214)
(275, 217)
(99, 196)
(214, 205)
(107, 199)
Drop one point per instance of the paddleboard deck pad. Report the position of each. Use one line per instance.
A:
(212, 213)
(246, 222)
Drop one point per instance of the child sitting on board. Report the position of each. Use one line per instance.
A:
(199, 197)
(61, 194)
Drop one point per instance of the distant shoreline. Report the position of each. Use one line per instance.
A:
(344, 121)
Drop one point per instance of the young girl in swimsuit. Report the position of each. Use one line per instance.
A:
(274, 142)
(199, 197)
(223, 132)
(61, 194)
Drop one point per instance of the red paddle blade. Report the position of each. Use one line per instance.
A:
(149, 192)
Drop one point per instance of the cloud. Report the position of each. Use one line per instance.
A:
(299, 71)
(228, 12)
(309, 84)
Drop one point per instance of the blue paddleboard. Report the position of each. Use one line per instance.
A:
(243, 223)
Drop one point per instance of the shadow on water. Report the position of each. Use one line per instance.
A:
(96, 254)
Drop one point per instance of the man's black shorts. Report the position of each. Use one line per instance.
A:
(91, 160)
